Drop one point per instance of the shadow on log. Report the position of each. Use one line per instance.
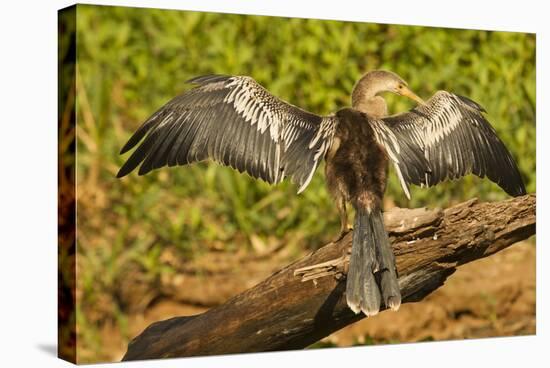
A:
(300, 304)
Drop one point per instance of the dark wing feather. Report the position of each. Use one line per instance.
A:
(410, 164)
(455, 139)
(236, 122)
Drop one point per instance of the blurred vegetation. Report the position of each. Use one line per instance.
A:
(66, 285)
(131, 61)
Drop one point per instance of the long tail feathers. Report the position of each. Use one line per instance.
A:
(362, 293)
(371, 257)
(386, 260)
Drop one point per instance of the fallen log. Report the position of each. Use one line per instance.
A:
(305, 301)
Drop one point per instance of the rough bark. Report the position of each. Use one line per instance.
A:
(300, 304)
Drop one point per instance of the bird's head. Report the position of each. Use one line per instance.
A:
(378, 81)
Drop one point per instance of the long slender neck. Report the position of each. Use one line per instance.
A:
(364, 98)
(364, 90)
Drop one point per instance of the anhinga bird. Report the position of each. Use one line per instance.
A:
(236, 122)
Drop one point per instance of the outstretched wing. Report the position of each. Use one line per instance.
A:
(235, 122)
(455, 139)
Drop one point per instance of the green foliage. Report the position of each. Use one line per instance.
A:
(131, 61)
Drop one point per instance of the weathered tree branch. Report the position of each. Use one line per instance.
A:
(299, 305)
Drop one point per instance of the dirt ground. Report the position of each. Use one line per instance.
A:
(489, 297)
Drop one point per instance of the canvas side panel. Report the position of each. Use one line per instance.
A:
(66, 184)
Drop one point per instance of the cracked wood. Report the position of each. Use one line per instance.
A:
(291, 310)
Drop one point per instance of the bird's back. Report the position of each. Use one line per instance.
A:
(359, 164)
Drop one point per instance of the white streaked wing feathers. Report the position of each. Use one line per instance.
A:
(215, 118)
(455, 140)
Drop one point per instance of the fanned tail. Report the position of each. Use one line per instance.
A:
(371, 258)
(391, 294)
(362, 293)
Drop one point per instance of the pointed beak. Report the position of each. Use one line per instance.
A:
(410, 94)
